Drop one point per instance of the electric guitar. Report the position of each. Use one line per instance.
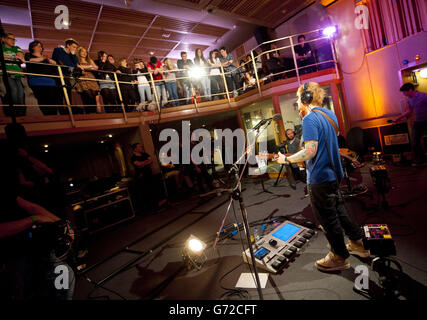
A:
(275, 156)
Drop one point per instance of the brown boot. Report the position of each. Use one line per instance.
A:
(332, 262)
(357, 248)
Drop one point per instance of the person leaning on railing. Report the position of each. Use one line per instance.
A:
(143, 77)
(170, 81)
(199, 60)
(88, 89)
(156, 67)
(66, 56)
(15, 57)
(127, 89)
(185, 84)
(232, 78)
(108, 87)
(217, 85)
(45, 88)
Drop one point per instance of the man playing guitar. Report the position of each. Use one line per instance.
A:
(324, 174)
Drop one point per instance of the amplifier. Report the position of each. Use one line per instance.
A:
(107, 210)
(273, 251)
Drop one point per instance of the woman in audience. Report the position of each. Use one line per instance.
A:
(108, 87)
(127, 89)
(44, 88)
(143, 77)
(88, 89)
(156, 67)
(170, 81)
(200, 61)
(217, 83)
(249, 82)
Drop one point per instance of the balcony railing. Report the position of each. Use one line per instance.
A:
(256, 71)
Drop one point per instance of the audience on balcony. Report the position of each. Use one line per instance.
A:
(200, 61)
(15, 57)
(127, 89)
(88, 89)
(143, 79)
(170, 81)
(45, 89)
(106, 83)
(156, 67)
(217, 84)
(79, 69)
(185, 84)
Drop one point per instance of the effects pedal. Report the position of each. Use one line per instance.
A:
(275, 249)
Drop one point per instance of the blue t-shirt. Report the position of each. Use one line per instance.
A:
(315, 127)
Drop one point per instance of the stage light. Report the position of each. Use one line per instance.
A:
(193, 253)
(46, 146)
(405, 61)
(110, 135)
(196, 72)
(423, 73)
(329, 31)
(417, 57)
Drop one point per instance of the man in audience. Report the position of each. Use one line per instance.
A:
(304, 55)
(187, 64)
(417, 105)
(231, 76)
(66, 56)
(145, 185)
(15, 56)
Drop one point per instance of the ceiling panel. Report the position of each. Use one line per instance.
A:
(47, 20)
(61, 35)
(174, 24)
(116, 40)
(157, 44)
(249, 6)
(23, 4)
(229, 5)
(119, 28)
(210, 30)
(158, 34)
(129, 16)
(18, 31)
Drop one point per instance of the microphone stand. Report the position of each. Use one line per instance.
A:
(237, 195)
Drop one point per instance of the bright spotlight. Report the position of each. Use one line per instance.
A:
(329, 31)
(193, 253)
(196, 72)
(423, 73)
(195, 245)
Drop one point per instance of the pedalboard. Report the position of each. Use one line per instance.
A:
(273, 251)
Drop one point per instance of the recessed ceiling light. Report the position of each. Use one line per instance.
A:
(151, 52)
(46, 146)
(110, 135)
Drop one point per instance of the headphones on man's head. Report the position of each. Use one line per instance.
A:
(306, 96)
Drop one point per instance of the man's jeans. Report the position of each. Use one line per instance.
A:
(18, 97)
(333, 216)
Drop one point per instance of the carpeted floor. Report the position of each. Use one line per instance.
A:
(157, 272)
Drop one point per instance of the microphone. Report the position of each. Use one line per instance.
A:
(276, 117)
